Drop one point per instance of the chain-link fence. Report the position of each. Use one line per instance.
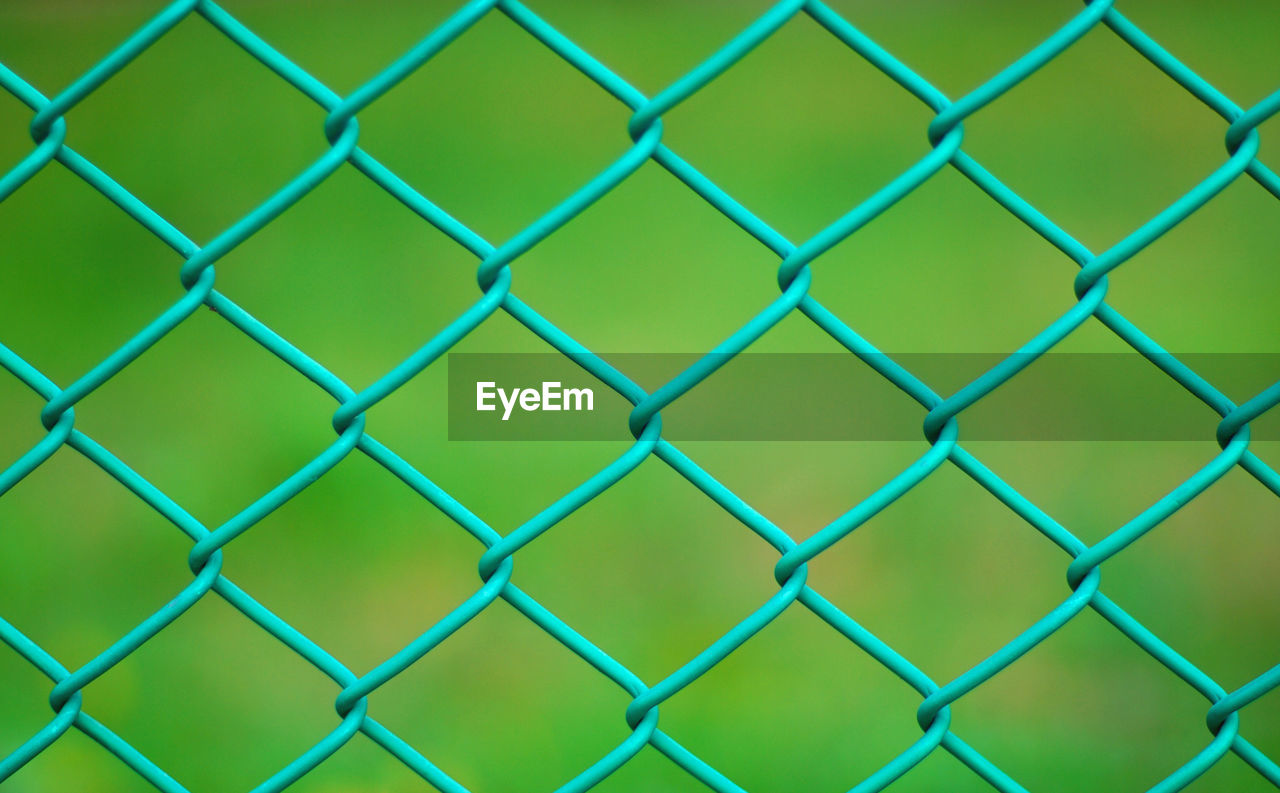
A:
(499, 263)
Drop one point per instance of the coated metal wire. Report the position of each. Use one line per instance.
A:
(495, 275)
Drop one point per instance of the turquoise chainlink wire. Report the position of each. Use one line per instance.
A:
(494, 277)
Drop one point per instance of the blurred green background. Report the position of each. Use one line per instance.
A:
(496, 130)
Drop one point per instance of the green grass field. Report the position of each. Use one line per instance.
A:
(496, 130)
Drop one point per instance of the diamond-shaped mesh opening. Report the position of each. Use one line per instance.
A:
(235, 672)
(1119, 717)
(412, 422)
(325, 534)
(502, 686)
(1102, 470)
(61, 271)
(980, 282)
(1221, 626)
(797, 701)
(240, 392)
(68, 514)
(654, 231)
(822, 166)
(1224, 316)
(179, 101)
(1095, 161)
(923, 581)
(378, 282)
(467, 128)
(1111, 396)
(656, 599)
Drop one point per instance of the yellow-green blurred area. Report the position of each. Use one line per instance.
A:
(496, 130)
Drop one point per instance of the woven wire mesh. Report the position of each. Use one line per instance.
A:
(495, 276)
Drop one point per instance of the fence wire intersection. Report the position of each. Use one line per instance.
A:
(494, 277)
